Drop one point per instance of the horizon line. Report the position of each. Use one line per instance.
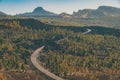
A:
(53, 11)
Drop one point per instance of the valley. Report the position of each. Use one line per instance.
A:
(77, 56)
(43, 45)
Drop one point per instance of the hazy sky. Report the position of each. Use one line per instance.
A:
(57, 6)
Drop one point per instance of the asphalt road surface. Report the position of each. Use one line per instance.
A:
(88, 31)
(37, 64)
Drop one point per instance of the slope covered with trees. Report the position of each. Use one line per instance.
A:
(68, 53)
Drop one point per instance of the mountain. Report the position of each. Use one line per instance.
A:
(110, 10)
(2, 14)
(102, 11)
(64, 15)
(39, 11)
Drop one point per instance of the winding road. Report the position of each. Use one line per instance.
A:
(37, 64)
(88, 31)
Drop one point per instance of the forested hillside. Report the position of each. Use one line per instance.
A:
(68, 52)
(110, 22)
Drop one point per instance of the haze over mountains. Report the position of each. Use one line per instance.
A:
(102, 11)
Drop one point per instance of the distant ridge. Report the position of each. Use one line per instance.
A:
(39, 11)
(102, 11)
(65, 15)
(2, 14)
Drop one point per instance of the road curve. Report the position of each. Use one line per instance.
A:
(34, 57)
(88, 31)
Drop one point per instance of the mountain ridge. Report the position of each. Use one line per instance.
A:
(37, 12)
(101, 11)
(2, 14)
